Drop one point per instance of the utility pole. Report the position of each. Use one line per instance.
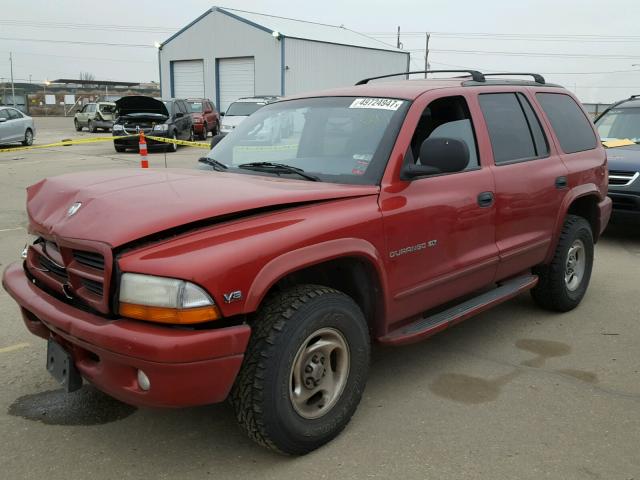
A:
(13, 90)
(426, 54)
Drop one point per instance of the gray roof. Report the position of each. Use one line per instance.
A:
(289, 27)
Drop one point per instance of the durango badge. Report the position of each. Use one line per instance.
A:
(73, 209)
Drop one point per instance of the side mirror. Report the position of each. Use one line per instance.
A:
(438, 155)
(179, 115)
(222, 114)
(216, 140)
(2, 119)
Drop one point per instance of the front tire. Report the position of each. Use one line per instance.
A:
(304, 371)
(205, 132)
(91, 127)
(28, 138)
(77, 125)
(563, 283)
(173, 147)
(119, 148)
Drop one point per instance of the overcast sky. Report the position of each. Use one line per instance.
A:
(565, 40)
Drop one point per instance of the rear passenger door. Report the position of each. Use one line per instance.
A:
(183, 123)
(530, 180)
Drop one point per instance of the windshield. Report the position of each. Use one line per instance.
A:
(620, 124)
(107, 108)
(337, 139)
(243, 109)
(195, 107)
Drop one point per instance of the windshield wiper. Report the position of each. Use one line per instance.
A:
(218, 166)
(271, 167)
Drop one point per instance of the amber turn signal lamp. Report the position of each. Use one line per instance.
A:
(170, 315)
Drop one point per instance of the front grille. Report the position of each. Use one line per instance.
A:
(90, 259)
(621, 178)
(70, 270)
(93, 286)
(50, 266)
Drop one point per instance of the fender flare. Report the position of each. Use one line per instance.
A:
(304, 257)
(573, 194)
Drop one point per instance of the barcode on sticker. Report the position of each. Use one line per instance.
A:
(379, 103)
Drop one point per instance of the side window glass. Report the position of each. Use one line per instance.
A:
(447, 117)
(181, 107)
(14, 114)
(539, 139)
(509, 131)
(4, 114)
(572, 127)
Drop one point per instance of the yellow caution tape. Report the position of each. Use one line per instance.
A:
(179, 142)
(65, 143)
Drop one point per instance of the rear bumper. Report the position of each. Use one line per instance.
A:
(185, 367)
(102, 123)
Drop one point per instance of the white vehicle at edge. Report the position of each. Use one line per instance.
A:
(241, 109)
(16, 126)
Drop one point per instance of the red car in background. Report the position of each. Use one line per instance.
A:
(205, 117)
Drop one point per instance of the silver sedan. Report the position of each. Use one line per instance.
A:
(15, 127)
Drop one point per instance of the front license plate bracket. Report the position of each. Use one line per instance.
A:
(61, 367)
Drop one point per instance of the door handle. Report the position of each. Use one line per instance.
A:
(485, 199)
(562, 182)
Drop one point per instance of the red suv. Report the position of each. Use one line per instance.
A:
(381, 212)
(205, 117)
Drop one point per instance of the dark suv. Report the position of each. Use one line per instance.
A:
(168, 118)
(619, 129)
(381, 212)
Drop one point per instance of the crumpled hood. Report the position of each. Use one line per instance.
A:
(140, 104)
(625, 158)
(120, 206)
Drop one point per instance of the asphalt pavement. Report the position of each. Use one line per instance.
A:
(515, 393)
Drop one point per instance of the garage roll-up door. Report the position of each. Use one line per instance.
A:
(236, 79)
(188, 79)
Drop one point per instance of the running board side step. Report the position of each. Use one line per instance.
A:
(427, 326)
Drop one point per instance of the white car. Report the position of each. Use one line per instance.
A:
(241, 109)
(16, 127)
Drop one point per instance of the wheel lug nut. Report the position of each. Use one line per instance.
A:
(315, 359)
(308, 369)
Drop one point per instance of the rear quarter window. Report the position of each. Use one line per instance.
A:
(572, 127)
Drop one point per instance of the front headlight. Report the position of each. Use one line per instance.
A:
(163, 127)
(31, 239)
(117, 127)
(165, 300)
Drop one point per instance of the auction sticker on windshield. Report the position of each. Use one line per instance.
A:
(379, 103)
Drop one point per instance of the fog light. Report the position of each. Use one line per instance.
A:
(143, 381)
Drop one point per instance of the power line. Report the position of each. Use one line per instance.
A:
(531, 54)
(75, 42)
(86, 58)
(88, 26)
(534, 36)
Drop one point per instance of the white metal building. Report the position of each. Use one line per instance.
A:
(225, 54)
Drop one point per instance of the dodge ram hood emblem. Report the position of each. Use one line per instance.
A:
(73, 209)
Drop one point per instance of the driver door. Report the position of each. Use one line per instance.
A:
(439, 229)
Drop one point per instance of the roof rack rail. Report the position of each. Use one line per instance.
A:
(633, 96)
(536, 76)
(475, 75)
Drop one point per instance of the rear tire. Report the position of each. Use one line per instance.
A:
(304, 371)
(28, 138)
(119, 149)
(563, 283)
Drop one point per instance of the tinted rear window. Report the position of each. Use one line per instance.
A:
(572, 127)
(508, 127)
